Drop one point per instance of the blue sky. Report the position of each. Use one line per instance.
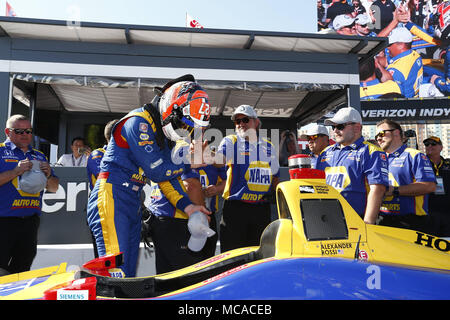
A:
(267, 15)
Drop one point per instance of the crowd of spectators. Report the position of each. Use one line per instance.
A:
(417, 54)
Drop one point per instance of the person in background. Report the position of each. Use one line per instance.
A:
(411, 179)
(369, 86)
(19, 210)
(354, 167)
(93, 166)
(318, 139)
(344, 24)
(288, 147)
(439, 200)
(79, 155)
(96, 156)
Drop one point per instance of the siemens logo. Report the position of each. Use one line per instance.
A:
(72, 295)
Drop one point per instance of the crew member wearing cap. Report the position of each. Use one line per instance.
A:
(411, 179)
(20, 210)
(356, 168)
(405, 65)
(362, 26)
(253, 171)
(318, 139)
(440, 199)
(344, 24)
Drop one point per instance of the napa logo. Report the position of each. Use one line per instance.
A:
(258, 176)
(337, 177)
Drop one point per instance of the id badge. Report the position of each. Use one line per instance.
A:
(440, 186)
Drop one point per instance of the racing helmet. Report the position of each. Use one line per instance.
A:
(183, 107)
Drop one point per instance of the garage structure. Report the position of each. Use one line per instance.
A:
(71, 78)
(72, 74)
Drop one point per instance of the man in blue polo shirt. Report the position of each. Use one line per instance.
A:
(411, 179)
(19, 210)
(356, 168)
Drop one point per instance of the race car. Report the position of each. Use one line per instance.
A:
(318, 248)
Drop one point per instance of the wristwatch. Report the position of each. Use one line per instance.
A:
(396, 192)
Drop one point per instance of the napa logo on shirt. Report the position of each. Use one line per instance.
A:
(258, 176)
(337, 177)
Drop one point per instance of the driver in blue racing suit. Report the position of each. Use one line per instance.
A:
(140, 148)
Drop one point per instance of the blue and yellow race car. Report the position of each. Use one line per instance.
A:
(318, 248)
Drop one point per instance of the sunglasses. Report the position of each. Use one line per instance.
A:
(21, 131)
(382, 133)
(427, 144)
(244, 120)
(315, 136)
(341, 126)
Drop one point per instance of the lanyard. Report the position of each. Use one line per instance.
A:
(79, 161)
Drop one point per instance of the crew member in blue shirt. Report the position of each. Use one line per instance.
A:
(20, 211)
(252, 174)
(356, 168)
(411, 179)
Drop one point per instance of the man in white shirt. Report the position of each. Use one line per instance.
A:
(79, 155)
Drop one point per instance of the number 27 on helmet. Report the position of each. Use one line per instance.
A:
(183, 107)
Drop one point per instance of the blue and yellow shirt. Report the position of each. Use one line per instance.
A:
(210, 176)
(406, 166)
(374, 89)
(93, 165)
(15, 202)
(407, 70)
(251, 167)
(351, 169)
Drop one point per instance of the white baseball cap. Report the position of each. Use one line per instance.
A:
(246, 110)
(313, 130)
(200, 231)
(400, 34)
(344, 115)
(362, 19)
(341, 21)
(34, 180)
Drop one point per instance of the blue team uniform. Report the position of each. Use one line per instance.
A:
(407, 70)
(15, 202)
(351, 170)
(251, 168)
(210, 176)
(93, 165)
(113, 208)
(406, 166)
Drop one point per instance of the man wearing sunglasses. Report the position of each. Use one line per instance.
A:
(440, 199)
(253, 172)
(318, 139)
(356, 168)
(411, 179)
(344, 24)
(19, 210)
